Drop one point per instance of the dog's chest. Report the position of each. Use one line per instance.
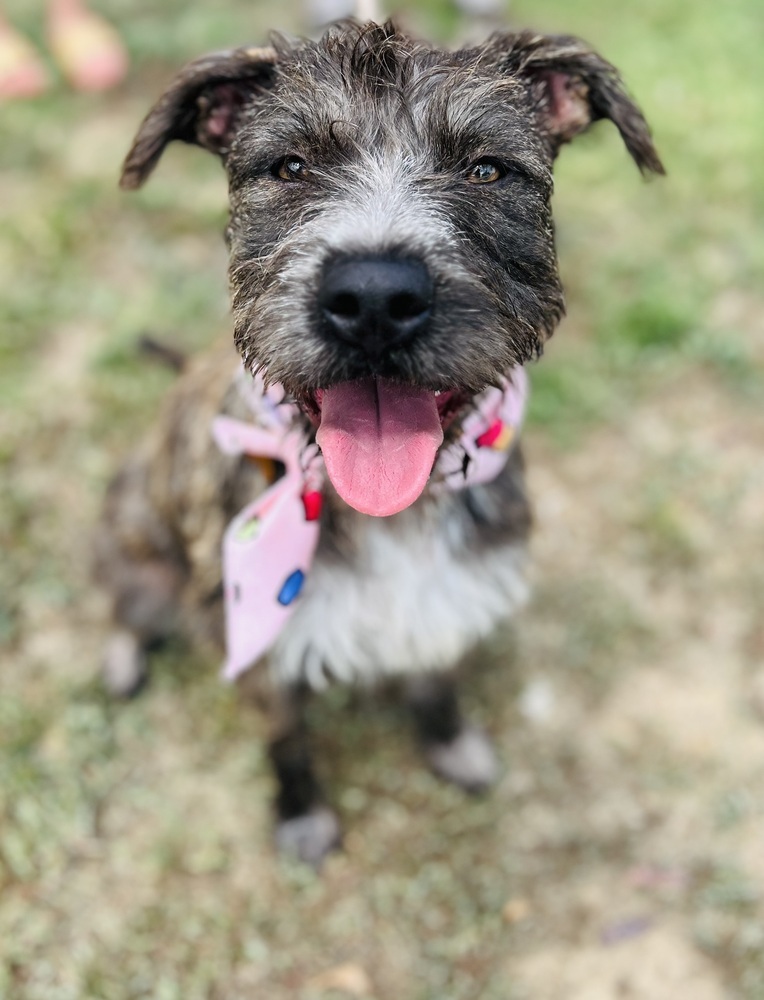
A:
(404, 594)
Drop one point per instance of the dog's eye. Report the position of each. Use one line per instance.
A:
(485, 172)
(291, 168)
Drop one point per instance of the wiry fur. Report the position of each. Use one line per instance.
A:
(388, 129)
(408, 596)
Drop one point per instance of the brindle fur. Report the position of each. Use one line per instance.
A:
(388, 128)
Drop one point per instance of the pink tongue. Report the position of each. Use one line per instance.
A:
(379, 440)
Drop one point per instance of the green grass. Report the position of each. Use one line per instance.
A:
(135, 858)
(646, 266)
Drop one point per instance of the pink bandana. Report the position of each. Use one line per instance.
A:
(268, 547)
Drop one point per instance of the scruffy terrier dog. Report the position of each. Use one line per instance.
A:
(392, 266)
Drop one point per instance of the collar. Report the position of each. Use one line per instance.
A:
(268, 547)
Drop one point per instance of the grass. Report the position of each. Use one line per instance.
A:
(135, 858)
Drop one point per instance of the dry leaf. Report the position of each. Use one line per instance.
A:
(516, 910)
(347, 978)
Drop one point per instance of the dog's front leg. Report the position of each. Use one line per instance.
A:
(454, 748)
(306, 827)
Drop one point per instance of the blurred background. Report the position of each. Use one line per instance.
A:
(621, 854)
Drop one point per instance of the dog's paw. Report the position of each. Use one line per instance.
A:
(123, 669)
(311, 837)
(468, 760)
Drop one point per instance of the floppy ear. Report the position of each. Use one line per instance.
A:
(572, 87)
(202, 105)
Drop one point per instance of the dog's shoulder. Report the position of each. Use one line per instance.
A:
(195, 487)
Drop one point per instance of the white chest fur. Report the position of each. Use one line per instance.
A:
(415, 595)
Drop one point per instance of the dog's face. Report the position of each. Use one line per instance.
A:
(421, 167)
(391, 239)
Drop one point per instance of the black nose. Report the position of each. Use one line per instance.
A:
(376, 303)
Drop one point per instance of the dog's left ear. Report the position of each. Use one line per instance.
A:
(571, 87)
(202, 105)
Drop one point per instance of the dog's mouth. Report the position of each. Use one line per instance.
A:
(380, 439)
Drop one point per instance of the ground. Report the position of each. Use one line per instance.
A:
(621, 854)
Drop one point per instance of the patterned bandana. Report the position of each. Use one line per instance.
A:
(268, 547)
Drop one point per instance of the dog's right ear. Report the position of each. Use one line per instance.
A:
(571, 87)
(202, 105)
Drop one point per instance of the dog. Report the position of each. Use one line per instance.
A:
(392, 268)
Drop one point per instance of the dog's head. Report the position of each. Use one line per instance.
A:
(391, 241)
